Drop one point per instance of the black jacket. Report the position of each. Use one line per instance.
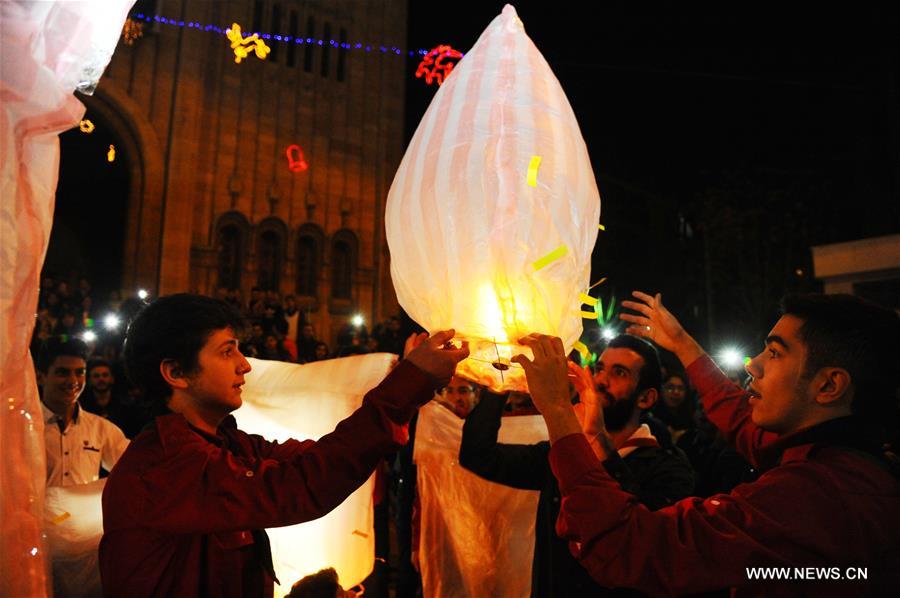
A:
(657, 476)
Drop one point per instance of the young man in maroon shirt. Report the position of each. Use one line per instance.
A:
(184, 510)
(824, 516)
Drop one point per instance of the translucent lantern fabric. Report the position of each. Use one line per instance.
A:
(493, 213)
(280, 401)
(477, 537)
(73, 526)
(48, 50)
(284, 400)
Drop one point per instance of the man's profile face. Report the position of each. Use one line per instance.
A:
(216, 385)
(616, 379)
(100, 378)
(779, 388)
(64, 381)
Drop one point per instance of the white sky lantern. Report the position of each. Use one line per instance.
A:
(493, 213)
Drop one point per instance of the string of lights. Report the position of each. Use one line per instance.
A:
(288, 39)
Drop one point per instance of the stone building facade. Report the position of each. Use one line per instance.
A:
(212, 200)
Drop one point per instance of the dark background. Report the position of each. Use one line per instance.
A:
(726, 140)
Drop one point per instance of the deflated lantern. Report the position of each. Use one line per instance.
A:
(493, 213)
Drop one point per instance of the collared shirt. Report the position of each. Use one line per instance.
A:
(184, 511)
(74, 456)
(820, 505)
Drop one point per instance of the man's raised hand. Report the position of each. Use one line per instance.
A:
(657, 323)
(547, 374)
(548, 383)
(435, 355)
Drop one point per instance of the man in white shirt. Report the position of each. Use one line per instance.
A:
(77, 442)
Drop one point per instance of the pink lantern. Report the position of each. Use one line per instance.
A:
(492, 215)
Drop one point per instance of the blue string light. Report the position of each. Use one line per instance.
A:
(284, 38)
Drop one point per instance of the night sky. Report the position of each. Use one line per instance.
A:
(725, 143)
(766, 125)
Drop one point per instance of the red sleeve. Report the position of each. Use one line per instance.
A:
(726, 406)
(696, 545)
(199, 488)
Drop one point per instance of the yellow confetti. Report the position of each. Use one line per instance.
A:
(86, 126)
(532, 170)
(587, 299)
(551, 257)
(581, 348)
(589, 315)
(111, 154)
(601, 227)
(60, 518)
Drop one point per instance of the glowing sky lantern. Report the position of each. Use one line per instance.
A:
(493, 213)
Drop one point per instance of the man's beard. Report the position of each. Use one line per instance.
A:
(617, 414)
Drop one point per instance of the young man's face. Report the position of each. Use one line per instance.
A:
(616, 380)
(780, 391)
(100, 378)
(64, 381)
(674, 392)
(216, 385)
(461, 394)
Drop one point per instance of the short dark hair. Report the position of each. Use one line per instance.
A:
(323, 584)
(174, 327)
(650, 375)
(861, 337)
(98, 363)
(60, 347)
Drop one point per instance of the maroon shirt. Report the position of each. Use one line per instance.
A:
(183, 511)
(819, 505)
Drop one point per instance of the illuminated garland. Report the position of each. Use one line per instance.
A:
(243, 45)
(438, 64)
(131, 31)
(311, 41)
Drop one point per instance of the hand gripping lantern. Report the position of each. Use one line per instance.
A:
(493, 213)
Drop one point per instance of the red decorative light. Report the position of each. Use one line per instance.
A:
(437, 64)
(296, 161)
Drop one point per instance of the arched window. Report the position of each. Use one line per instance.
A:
(230, 243)
(270, 244)
(343, 264)
(309, 260)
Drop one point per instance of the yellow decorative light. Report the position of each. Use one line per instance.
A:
(131, 31)
(242, 46)
(86, 126)
(111, 154)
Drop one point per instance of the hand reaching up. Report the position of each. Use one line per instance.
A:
(435, 355)
(584, 383)
(548, 383)
(657, 323)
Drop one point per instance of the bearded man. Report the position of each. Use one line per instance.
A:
(625, 383)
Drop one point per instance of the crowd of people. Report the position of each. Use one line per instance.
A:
(643, 451)
(276, 329)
